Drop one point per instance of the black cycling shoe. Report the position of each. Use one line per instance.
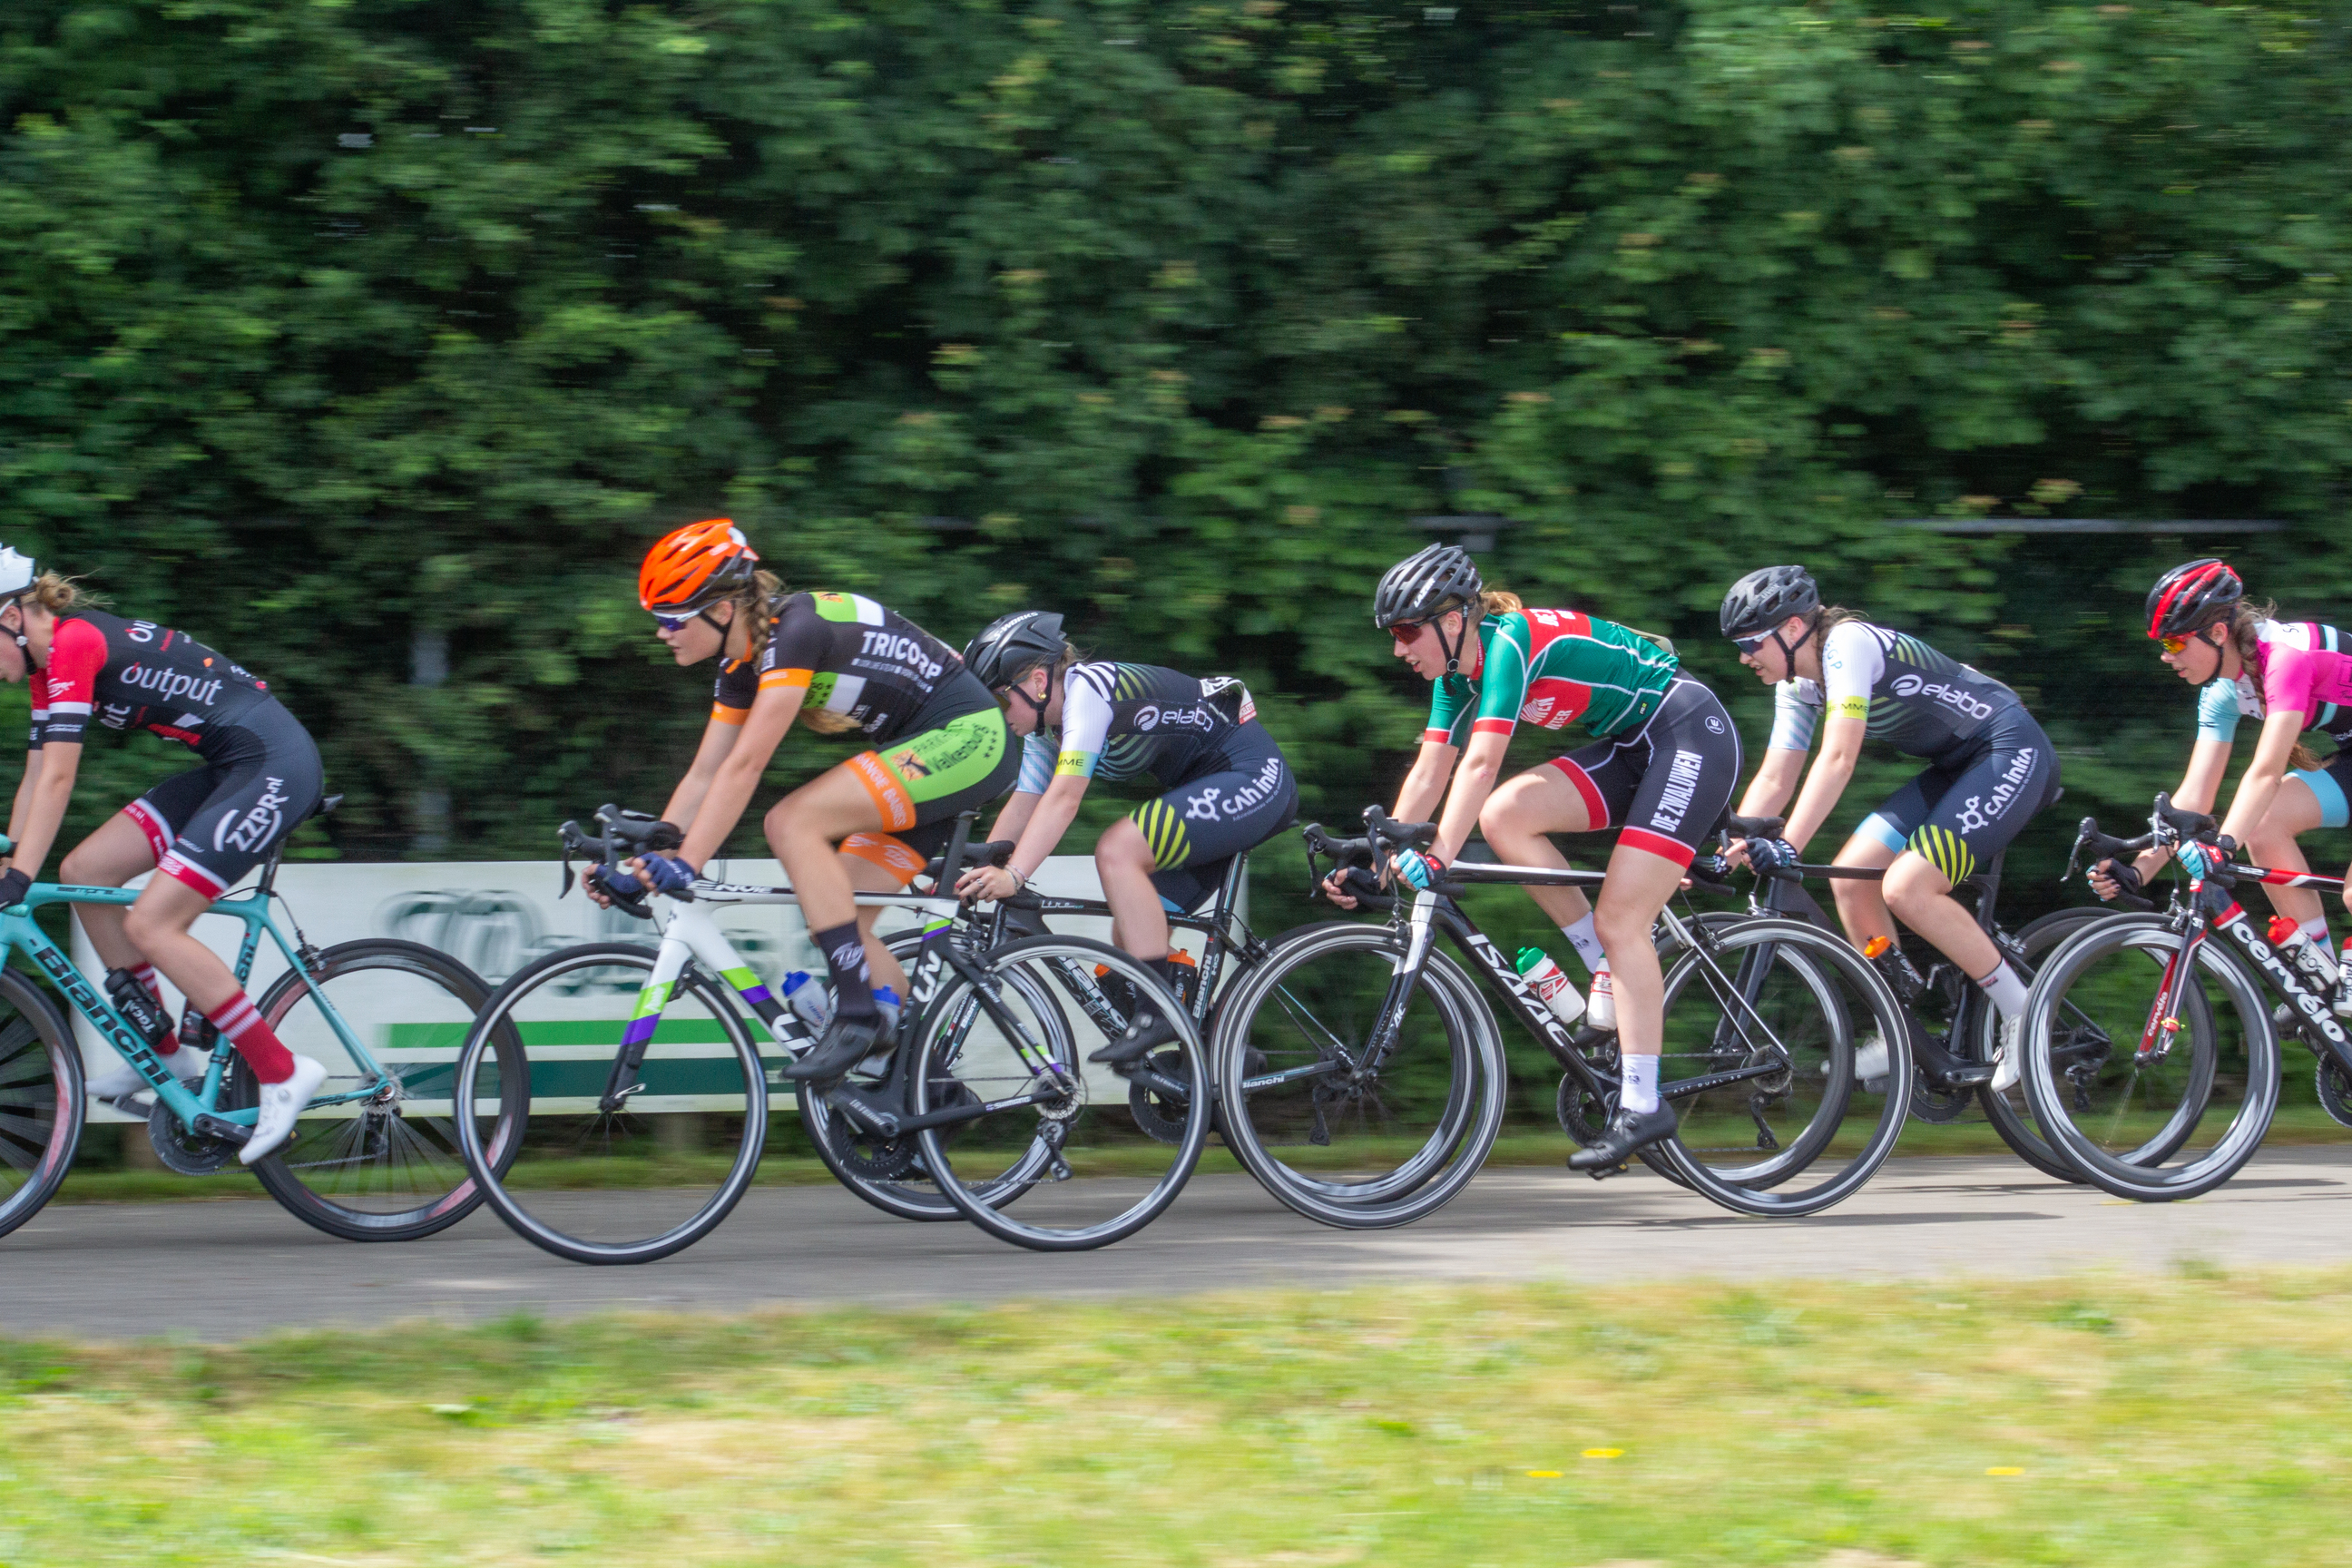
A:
(848, 1041)
(1148, 1033)
(1945, 1070)
(1627, 1132)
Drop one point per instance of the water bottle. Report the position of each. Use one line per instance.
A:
(1895, 967)
(2297, 948)
(809, 1001)
(1546, 980)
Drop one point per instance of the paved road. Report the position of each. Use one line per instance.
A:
(225, 1270)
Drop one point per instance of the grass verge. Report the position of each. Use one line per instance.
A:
(2188, 1420)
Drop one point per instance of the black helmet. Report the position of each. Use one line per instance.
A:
(1425, 584)
(1766, 597)
(2190, 598)
(1012, 645)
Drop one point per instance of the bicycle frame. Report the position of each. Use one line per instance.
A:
(2212, 907)
(197, 1111)
(689, 934)
(1432, 912)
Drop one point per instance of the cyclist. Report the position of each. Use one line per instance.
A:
(1661, 771)
(1990, 769)
(1224, 785)
(2293, 676)
(837, 664)
(203, 829)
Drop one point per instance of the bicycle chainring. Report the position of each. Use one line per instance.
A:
(1151, 1111)
(2335, 1090)
(189, 1154)
(1584, 1115)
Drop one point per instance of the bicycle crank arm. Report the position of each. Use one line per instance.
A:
(890, 1124)
(1690, 1086)
(207, 1125)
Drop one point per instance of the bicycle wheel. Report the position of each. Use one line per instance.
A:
(1006, 1048)
(888, 1172)
(40, 1099)
(385, 1168)
(1341, 1132)
(2009, 1113)
(588, 1176)
(1760, 1023)
(2146, 1107)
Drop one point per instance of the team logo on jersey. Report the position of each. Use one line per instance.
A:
(1714, 725)
(1537, 712)
(168, 685)
(258, 827)
(1949, 696)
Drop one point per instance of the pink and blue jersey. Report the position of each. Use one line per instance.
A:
(2301, 666)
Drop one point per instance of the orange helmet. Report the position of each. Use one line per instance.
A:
(695, 566)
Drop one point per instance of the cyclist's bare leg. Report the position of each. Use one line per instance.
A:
(1519, 814)
(1862, 906)
(2294, 810)
(1123, 860)
(1921, 897)
(1639, 885)
(108, 858)
(802, 830)
(157, 926)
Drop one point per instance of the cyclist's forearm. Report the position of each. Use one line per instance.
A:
(22, 802)
(41, 817)
(1424, 786)
(1019, 806)
(1824, 786)
(1474, 781)
(1052, 817)
(1774, 783)
(719, 811)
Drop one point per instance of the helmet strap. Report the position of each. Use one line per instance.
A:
(1789, 652)
(1453, 650)
(1021, 689)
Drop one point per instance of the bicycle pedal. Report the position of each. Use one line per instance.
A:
(1617, 1170)
(1320, 1134)
(1059, 1171)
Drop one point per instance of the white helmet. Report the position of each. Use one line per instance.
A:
(17, 571)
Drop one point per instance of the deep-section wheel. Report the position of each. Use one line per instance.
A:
(1346, 1123)
(40, 1099)
(608, 1166)
(1013, 1046)
(2151, 1104)
(385, 1168)
(1762, 1022)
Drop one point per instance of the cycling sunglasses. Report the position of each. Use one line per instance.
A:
(1750, 645)
(680, 623)
(2175, 644)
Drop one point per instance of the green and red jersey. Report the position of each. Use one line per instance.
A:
(1553, 668)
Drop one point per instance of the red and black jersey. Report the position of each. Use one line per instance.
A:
(136, 675)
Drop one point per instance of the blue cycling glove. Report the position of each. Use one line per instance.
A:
(2198, 860)
(1420, 870)
(667, 874)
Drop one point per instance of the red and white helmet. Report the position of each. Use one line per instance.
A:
(2189, 598)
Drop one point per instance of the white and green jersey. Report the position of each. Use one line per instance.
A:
(1909, 695)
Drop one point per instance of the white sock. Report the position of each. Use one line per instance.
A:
(2316, 928)
(1587, 942)
(2006, 991)
(1638, 1078)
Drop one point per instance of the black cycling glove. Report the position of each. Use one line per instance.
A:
(13, 886)
(2127, 876)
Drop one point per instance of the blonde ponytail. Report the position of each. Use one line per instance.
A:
(59, 596)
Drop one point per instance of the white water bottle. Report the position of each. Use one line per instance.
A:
(1602, 1012)
(2295, 946)
(1546, 979)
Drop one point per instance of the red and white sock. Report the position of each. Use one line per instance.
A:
(145, 974)
(242, 1026)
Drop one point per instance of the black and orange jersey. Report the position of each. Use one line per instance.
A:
(135, 675)
(867, 665)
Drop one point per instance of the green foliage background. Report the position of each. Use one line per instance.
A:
(325, 325)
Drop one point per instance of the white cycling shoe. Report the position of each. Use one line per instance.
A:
(2012, 1055)
(280, 1104)
(1870, 1063)
(122, 1080)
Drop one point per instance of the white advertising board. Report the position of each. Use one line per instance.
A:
(498, 915)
